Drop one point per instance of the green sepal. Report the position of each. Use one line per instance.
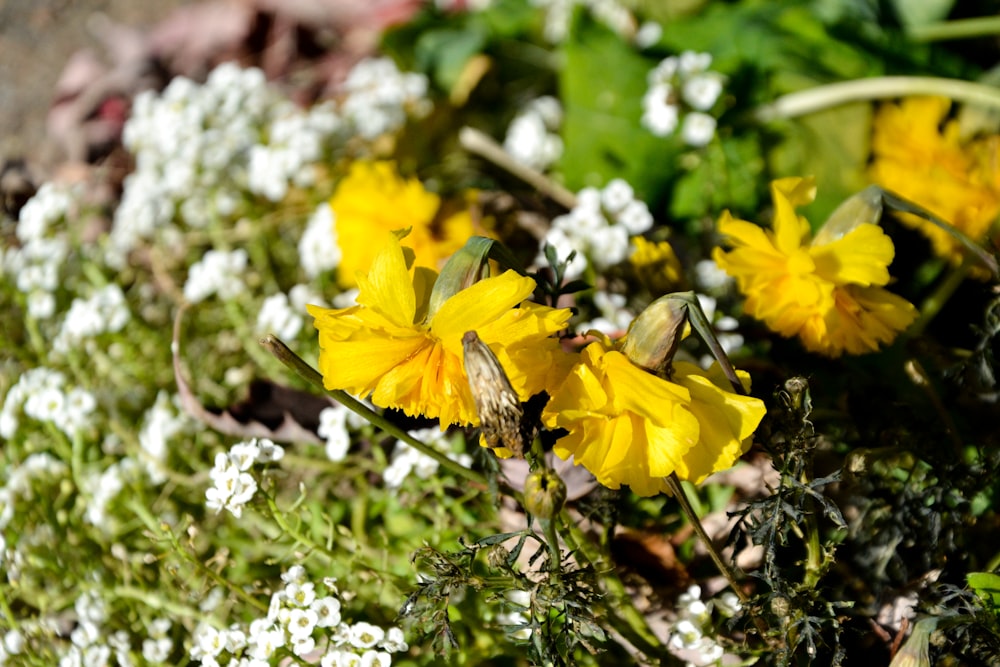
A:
(468, 266)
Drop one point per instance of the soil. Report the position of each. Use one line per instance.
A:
(37, 38)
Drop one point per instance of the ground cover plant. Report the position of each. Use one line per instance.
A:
(528, 333)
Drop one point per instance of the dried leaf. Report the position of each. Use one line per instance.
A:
(271, 411)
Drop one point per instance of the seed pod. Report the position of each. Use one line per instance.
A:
(500, 411)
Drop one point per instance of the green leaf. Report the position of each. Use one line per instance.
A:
(727, 173)
(445, 52)
(601, 87)
(987, 586)
(913, 13)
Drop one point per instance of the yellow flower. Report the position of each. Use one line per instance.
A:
(373, 200)
(830, 293)
(656, 265)
(915, 156)
(628, 426)
(389, 346)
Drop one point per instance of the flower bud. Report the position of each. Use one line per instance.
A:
(544, 494)
(654, 335)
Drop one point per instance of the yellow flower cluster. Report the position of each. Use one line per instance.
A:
(827, 291)
(373, 200)
(391, 347)
(916, 153)
(628, 426)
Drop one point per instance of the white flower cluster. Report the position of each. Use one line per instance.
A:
(306, 623)
(34, 266)
(725, 326)
(533, 136)
(160, 424)
(379, 97)
(614, 317)
(218, 272)
(104, 312)
(21, 479)
(689, 636)
(598, 228)
(202, 151)
(334, 424)
(280, 314)
(103, 487)
(319, 251)
(40, 393)
(559, 13)
(407, 460)
(682, 85)
(234, 486)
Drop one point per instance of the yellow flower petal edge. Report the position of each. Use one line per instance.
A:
(382, 348)
(373, 200)
(830, 295)
(920, 155)
(627, 426)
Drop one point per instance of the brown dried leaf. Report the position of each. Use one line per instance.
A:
(271, 411)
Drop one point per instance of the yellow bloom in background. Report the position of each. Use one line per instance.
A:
(829, 294)
(919, 155)
(656, 265)
(387, 346)
(628, 426)
(373, 200)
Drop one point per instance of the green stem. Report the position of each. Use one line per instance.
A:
(809, 101)
(982, 26)
(674, 483)
(933, 304)
(295, 363)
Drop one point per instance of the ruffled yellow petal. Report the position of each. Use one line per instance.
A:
(862, 257)
(387, 289)
(790, 230)
(479, 305)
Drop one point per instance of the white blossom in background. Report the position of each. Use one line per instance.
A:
(333, 429)
(379, 97)
(204, 151)
(533, 136)
(278, 317)
(406, 460)
(692, 636)
(105, 487)
(41, 394)
(34, 266)
(104, 312)
(233, 485)
(726, 329)
(710, 278)
(303, 616)
(612, 13)
(219, 272)
(648, 34)
(319, 251)
(682, 90)
(614, 318)
(597, 228)
(161, 424)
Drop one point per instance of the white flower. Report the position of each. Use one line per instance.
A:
(243, 455)
(648, 34)
(660, 116)
(277, 316)
(319, 252)
(333, 427)
(301, 594)
(365, 635)
(218, 272)
(636, 217)
(375, 659)
(702, 91)
(691, 62)
(327, 611)
(263, 644)
(698, 129)
(616, 195)
(294, 574)
(269, 451)
(394, 641)
(301, 623)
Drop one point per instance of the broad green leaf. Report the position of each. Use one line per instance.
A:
(987, 586)
(601, 86)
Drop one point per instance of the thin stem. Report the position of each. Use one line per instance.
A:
(674, 483)
(933, 304)
(483, 145)
(982, 26)
(294, 362)
(809, 101)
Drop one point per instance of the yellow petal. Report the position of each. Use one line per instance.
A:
(482, 303)
(387, 288)
(862, 256)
